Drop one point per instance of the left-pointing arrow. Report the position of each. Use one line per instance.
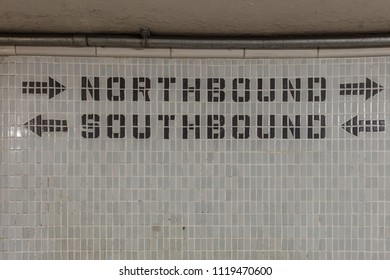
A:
(354, 126)
(52, 87)
(39, 126)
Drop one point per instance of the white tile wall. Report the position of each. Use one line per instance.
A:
(115, 196)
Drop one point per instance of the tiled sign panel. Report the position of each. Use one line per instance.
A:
(114, 158)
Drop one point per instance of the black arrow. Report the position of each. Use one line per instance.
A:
(38, 126)
(52, 87)
(354, 126)
(369, 89)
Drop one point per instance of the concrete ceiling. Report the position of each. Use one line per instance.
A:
(196, 17)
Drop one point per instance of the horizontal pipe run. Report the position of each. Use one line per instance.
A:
(192, 53)
(122, 41)
(242, 43)
(34, 40)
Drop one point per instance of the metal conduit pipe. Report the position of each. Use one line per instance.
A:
(44, 40)
(122, 41)
(306, 43)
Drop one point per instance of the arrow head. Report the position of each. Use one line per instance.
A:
(352, 126)
(55, 87)
(372, 88)
(35, 125)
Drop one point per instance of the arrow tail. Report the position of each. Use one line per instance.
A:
(371, 125)
(34, 87)
(353, 89)
(56, 126)
(374, 126)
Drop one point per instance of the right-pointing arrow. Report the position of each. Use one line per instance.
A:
(354, 126)
(369, 88)
(52, 88)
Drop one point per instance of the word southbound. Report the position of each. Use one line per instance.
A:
(210, 90)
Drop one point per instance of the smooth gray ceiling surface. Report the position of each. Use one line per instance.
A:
(197, 17)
